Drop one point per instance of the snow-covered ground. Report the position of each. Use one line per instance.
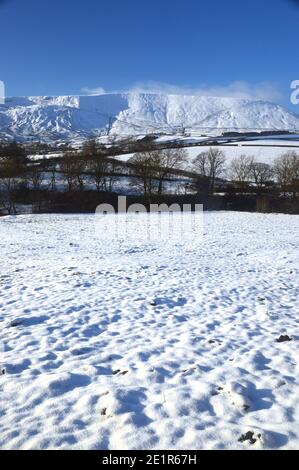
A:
(45, 156)
(265, 153)
(138, 344)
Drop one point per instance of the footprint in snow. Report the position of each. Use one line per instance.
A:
(31, 321)
(217, 392)
(168, 302)
(236, 394)
(17, 322)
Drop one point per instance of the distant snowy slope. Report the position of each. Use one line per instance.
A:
(66, 117)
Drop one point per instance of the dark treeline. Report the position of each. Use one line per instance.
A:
(80, 180)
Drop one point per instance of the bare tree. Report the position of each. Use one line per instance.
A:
(79, 166)
(49, 170)
(52, 170)
(34, 177)
(166, 161)
(261, 173)
(10, 178)
(209, 166)
(144, 167)
(240, 170)
(73, 169)
(98, 167)
(13, 160)
(13, 152)
(286, 170)
(90, 148)
(111, 176)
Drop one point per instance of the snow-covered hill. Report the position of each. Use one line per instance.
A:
(65, 117)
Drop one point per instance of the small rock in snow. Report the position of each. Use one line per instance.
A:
(284, 339)
(251, 437)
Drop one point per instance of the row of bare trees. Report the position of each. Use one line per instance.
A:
(13, 160)
(149, 172)
(75, 171)
(152, 169)
(210, 168)
(284, 172)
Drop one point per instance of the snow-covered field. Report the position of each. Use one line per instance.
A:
(137, 344)
(267, 152)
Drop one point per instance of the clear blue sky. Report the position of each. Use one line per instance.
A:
(62, 46)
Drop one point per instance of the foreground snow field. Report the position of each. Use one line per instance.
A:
(137, 344)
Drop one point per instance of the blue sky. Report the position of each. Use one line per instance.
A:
(228, 47)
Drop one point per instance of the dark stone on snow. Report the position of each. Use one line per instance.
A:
(284, 339)
(249, 436)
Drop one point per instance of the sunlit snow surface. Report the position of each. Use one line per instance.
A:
(68, 117)
(149, 344)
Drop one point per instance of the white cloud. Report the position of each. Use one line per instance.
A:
(2, 92)
(93, 91)
(238, 89)
(267, 91)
